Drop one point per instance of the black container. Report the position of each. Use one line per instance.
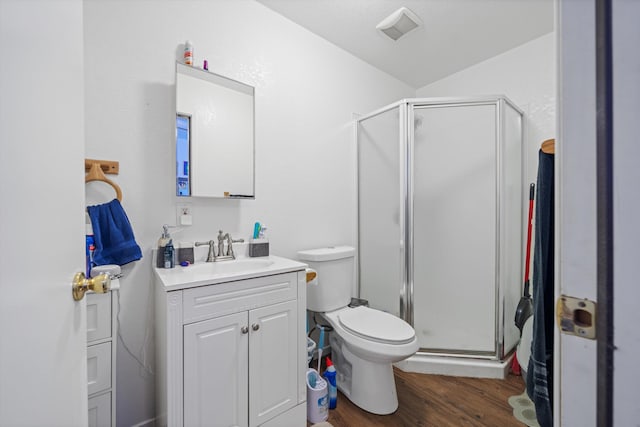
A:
(257, 249)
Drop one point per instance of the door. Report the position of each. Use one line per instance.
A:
(216, 372)
(43, 347)
(454, 227)
(576, 389)
(575, 380)
(273, 361)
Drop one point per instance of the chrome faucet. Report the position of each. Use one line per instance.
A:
(211, 256)
(222, 254)
(230, 243)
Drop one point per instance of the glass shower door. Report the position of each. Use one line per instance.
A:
(381, 171)
(454, 227)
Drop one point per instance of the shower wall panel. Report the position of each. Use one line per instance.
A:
(380, 209)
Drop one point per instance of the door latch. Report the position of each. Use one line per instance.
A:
(576, 316)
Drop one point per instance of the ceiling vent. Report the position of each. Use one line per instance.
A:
(399, 23)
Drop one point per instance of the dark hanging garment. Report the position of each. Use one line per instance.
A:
(540, 369)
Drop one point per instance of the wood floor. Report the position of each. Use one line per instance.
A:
(438, 401)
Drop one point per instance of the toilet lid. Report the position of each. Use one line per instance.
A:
(376, 325)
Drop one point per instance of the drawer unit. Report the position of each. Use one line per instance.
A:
(102, 324)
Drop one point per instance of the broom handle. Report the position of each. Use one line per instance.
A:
(527, 262)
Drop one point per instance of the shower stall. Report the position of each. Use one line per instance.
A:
(440, 225)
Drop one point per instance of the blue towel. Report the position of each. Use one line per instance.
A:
(114, 240)
(540, 370)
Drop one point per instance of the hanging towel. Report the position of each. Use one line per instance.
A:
(540, 369)
(114, 240)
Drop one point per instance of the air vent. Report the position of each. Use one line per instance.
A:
(399, 23)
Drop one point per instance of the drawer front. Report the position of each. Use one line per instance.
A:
(226, 298)
(100, 410)
(99, 367)
(98, 316)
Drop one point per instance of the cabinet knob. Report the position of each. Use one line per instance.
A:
(244, 330)
(255, 326)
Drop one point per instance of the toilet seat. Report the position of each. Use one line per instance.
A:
(376, 325)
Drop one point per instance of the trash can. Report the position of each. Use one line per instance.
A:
(317, 397)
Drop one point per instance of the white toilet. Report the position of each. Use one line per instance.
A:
(364, 342)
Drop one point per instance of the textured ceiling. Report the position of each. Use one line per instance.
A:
(456, 33)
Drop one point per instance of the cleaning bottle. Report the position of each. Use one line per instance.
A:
(188, 53)
(89, 248)
(169, 253)
(162, 242)
(330, 375)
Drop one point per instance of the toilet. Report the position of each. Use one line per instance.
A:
(365, 342)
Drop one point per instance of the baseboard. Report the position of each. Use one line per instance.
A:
(151, 422)
(456, 366)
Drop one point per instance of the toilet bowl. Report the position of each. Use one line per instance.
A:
(364, 342)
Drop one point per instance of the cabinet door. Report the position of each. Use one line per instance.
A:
(273, 361)
(216, 372)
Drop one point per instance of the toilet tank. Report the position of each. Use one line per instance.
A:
(332, 287)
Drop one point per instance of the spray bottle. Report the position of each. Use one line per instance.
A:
(330, 375)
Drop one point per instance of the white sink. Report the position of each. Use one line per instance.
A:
(211, 273)
(234, 266)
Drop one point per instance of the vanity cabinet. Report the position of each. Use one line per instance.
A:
(232, 353)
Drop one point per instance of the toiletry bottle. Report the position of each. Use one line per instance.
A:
(169, 252)
(89, 248)
(330, 375)
(162, 242)
(188, 53)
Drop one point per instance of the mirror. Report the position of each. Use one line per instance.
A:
(214, 135)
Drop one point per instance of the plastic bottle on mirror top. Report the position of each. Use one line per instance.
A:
(188, 53)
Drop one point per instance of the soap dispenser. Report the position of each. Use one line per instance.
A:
(164, 239)
(169, 253)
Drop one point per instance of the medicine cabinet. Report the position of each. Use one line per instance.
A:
(215, 135)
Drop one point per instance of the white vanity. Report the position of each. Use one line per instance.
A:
(231, 343)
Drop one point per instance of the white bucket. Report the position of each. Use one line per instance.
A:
(317, 397)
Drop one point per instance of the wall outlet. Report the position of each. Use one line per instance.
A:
(183, 215)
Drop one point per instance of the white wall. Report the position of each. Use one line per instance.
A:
(306, 92)
(527, 76)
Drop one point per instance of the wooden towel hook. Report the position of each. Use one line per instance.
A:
(96, 168)
(549, 146)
